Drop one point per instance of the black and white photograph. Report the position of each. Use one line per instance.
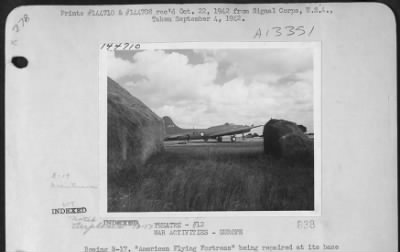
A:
(200, 127)
(210, 130)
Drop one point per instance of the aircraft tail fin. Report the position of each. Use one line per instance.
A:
(170, 126)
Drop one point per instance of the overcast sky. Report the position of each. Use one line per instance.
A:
(203, 88)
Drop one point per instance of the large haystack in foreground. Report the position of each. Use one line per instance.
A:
(134, 132)
(286, 139)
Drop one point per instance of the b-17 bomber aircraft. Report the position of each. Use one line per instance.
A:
(173, 132)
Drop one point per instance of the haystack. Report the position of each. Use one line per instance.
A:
(298, 148)
(303, 128)
(286, 139)
(134, 132)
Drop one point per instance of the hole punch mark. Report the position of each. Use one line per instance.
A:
(19, 61)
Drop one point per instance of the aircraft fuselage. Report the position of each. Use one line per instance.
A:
(210, 133)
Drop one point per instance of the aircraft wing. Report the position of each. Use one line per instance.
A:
(233, 131)
(175, 137)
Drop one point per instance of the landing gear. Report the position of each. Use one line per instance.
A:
(219, 139)
(206, 139)
(233, 139)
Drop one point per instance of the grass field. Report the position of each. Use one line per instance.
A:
(213, 177)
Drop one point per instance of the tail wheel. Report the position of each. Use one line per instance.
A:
(233, 139)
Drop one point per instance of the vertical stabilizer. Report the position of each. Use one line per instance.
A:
(170, 126)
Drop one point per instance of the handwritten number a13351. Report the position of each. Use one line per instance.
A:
(284, 31)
